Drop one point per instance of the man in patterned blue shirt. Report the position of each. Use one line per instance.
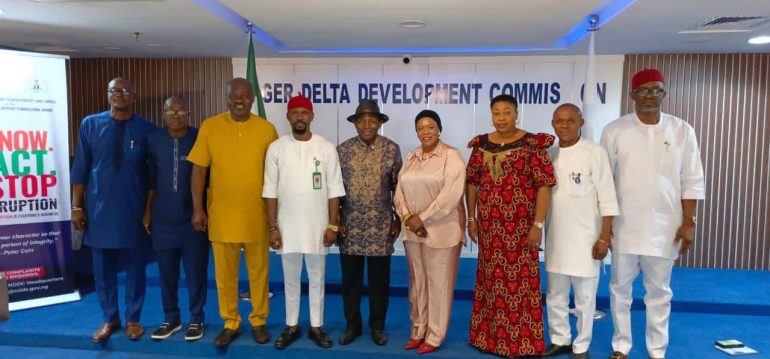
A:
(368, 224)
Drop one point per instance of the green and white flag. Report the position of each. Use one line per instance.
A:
(251, 76)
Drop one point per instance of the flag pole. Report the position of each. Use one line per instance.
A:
(589, 85)
(251, 72)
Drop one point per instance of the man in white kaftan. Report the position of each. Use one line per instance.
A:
(659, 178)
(583, 204)
(303, 185)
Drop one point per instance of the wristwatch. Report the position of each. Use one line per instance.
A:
(539, 225)
(334, 228)
(694, 219)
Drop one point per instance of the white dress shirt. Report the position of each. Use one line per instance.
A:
(303, 211)
(584, 193)
(655, 167)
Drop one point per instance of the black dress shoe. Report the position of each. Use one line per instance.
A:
(379, 337)
(580, 356)
(288, 336)
(348, 337)
(260, 333)
(319, 336)
(555, 349)
(225, 337)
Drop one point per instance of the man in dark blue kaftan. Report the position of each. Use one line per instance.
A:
(109, 190)
(167, 219)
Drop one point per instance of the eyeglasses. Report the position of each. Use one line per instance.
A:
(655, 91)
(124, 90)
(562, 122)
(180, 113)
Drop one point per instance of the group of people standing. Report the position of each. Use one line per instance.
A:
(299, 194)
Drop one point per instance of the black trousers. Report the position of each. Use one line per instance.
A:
(194, 255)
(378, 281)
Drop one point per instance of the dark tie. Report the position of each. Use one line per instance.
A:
(117, 149)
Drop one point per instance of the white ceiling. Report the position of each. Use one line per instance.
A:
(356, 28)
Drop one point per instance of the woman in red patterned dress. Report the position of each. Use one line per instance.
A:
(509, 179)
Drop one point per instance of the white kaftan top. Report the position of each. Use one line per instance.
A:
(303, 203)
(655, 167)
(584, 193)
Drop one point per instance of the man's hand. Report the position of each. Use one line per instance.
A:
(199, 220)
(330, 237)
(275, 239)
(395, 229)
(686, 234)
(146, 222)
(600, 249)
(534, 237)
(79, 219)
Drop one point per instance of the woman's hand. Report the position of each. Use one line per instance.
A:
(473, 231)
(414, 224)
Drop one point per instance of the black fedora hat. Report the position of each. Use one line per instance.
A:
(368, 106)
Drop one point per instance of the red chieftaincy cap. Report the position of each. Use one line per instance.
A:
(299, 101)
(645, 76)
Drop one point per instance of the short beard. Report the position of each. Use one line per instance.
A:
(299, 132)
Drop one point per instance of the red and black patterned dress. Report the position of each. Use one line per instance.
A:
(507, 317)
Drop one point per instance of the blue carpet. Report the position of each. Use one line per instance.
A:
(708, 305)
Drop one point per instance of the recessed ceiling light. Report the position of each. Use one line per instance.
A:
(154, 45)
(113, 47)
(759, 40)
(412, 24)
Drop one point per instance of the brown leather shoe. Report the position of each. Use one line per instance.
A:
(134, 330)
(260, 333)
(105, 331)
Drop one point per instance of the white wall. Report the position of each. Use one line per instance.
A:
(558, 77)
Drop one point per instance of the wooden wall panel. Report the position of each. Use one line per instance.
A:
(725, 98)
(201, 81)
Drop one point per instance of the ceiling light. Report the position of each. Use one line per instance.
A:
(154, 45)
(1, 11)
(759, 40)
(412, 24)
(113, 47)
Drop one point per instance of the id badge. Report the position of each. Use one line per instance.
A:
(316, 180)
(316, 175)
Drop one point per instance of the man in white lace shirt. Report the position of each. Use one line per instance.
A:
(659, 178)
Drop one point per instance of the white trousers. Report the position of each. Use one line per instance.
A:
(557, 306)
(656, 275)
(292, 274)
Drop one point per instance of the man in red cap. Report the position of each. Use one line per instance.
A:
(659, 178)
(302, 190)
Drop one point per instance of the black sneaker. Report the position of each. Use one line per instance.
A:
(194, 331)
(165, 330)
